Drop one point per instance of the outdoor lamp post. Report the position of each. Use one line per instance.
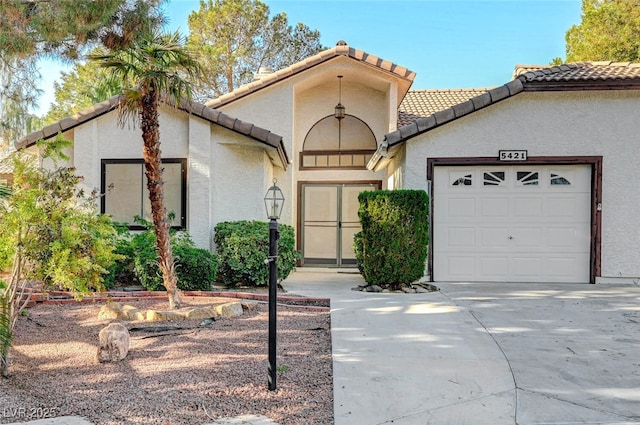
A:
(273, 202)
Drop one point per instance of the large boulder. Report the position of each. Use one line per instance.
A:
(114, 343)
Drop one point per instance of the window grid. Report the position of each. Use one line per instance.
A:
(346, 159)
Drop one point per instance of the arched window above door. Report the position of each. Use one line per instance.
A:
(346, 143)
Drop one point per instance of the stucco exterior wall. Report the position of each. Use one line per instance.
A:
(240, 180)
(395, 171)
(199, 182)
(104, 138)
(272, 109)
(602, 123)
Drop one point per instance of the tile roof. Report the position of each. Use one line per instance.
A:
(340, 50)
(575, 76)
(422, 103)
(68, 123)
(580, 71)
(209, 114)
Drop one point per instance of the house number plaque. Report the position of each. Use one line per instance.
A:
(512, 155)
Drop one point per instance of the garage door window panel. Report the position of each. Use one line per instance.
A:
(527, 178)
(559, 180)
(464, 180)
(494, 178)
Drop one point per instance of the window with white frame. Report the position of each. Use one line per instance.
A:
(125, 193)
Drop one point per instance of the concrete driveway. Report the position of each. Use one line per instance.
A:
(482, 353)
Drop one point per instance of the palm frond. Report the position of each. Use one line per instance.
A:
(155, 60)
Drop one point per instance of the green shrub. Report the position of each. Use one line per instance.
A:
(196, 268)
(391, 249)
(242, 248)
(357, 250)
(122, 269)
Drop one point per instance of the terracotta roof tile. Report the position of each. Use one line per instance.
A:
(209, 114)
(431, 108)
(481, 101)
(422, 103)
(499, 93)
(341, 49)
(69, 122)
(243, 127)
(443, 116)
(463, 108)
(580, 71)
(426, 123)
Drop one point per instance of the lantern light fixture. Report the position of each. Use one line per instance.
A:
(274, 201)
(340, 109)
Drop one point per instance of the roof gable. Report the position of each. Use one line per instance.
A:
(199, 110)
(574, 76)
(340, 50)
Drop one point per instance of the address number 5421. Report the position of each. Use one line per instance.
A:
(512, 155)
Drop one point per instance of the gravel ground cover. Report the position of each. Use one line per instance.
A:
(189, 374)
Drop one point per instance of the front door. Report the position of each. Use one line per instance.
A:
(329, 220)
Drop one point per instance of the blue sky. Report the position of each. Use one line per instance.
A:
(448, 43)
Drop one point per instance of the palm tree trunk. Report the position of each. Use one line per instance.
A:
(150, 125)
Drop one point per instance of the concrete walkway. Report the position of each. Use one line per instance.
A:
(482, 353)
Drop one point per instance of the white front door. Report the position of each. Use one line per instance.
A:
(512, 223)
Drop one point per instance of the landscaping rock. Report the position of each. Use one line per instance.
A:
(132, 313)
(233, 309)
(114, 343)
(159, 315)
(200, 313)
(249, 305)
(112, 311)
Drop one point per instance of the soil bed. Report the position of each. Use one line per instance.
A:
(188, 374)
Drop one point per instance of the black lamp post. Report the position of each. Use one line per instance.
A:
(273, 202)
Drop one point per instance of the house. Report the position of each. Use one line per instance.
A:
(529, 181)
(216, 167)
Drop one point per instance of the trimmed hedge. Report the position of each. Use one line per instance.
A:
(391, 249)
(242, 248)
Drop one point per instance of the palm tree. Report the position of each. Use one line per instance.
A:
(155, 67)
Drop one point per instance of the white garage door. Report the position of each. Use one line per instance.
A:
(512, 223)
